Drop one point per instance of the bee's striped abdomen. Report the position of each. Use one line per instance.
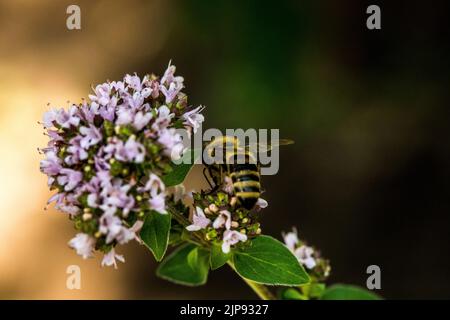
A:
(246, 184)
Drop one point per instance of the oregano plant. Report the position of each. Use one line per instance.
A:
(113, 162)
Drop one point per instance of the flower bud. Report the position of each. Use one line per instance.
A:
(87, 216)
(213, 208)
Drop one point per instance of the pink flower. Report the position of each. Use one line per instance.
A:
(171, 92)
(78, 153)
(130, 151)
(156, 189)
(231, 237)
(69, 178)
(133, 82)
(102, 94)
(141, 120)
(224, 219)
(109, 259)
(69, 118)
(305, 256)
(199, 220)
(163, 120)
(91, 136)
(49, 118)
(194, 118)
(52, 164)
(291, 239)
(158, 203)
(172, 142)
(124, 116)
(113, 228)
(83, 245)
(261, 204)
(154, 185)
(169, 76)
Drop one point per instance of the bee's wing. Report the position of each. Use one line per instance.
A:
(265, 147)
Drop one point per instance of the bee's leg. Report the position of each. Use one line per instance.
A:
(206, 177)
(216, 184)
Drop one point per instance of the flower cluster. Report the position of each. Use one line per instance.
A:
(220, 219)
(310, 258)
(106, 155)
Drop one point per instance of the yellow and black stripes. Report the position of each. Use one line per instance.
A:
(238, 163)
(246, 183)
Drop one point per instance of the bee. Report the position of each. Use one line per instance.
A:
(240, 164)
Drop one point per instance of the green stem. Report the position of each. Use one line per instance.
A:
(261, 290)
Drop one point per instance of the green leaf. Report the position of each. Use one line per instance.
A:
(193, 257)
(155, 233)
(291, 294)
(348, 292)
(268, 261)
(217, 258)
(187, 265)
(180, 171)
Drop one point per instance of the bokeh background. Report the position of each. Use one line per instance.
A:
(367, 181)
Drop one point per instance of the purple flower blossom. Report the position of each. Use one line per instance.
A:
(130, 151)
(69, 178)
(115, 195)
(71, 210)
(113, 228)
(231, 237)
(102, 94)
(78, 153)
(291, 239)
(163, 120)
(199, 220)
(69, 118)
(133, 82)
(119, 86)
(98, 168)
(141, 119)
(194, 118)
(91, 136)
(156, 189)
(109, 259)
(305, 256)
(223, 220)
(171, 92)
(169, 76)
(52, 164)
(261, 204)
(89, 111)
(83, 245)
(172, 142)
(108, 112)
(49, 118)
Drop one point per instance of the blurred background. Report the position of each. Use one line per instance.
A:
(367, 181)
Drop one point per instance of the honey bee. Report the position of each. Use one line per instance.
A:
(240, 164)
